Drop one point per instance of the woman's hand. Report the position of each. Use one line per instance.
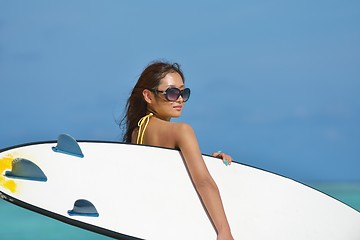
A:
(227, 159)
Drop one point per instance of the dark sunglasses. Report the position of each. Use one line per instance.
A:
(172, 94)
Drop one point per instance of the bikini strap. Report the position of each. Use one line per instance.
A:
(143, 122)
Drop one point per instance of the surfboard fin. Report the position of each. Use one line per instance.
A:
(84, 208)
(68, 145)
(26, 169)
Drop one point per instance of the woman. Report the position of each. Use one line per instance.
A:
(158, 96)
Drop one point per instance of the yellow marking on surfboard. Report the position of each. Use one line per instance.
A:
(5, 164)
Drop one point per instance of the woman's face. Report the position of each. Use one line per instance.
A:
(164, 108)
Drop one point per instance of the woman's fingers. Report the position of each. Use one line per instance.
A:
(227, 159)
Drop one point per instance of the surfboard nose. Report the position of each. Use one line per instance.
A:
(26, 169)
(83, 207)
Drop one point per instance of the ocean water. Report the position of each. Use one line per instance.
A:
(21, 224)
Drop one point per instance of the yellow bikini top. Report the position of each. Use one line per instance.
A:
(143, 122)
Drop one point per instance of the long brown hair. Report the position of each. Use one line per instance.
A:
(136, 106)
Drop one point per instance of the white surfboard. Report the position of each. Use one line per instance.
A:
(130, 191)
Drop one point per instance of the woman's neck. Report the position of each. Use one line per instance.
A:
(156, 115)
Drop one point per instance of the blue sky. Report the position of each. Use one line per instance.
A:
(274, 83)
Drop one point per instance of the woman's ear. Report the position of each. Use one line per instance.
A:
(148, 96)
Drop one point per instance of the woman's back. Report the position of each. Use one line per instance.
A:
(160, 133)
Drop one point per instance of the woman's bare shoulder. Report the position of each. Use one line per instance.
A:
(182, 132)
(177, 130)
(167, 134)
(181, 127)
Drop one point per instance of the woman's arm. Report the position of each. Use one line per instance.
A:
(204, 183)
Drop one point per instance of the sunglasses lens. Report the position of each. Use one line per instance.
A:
(172, 94)
(185, 94)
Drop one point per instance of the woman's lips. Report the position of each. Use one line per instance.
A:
(178, 108)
